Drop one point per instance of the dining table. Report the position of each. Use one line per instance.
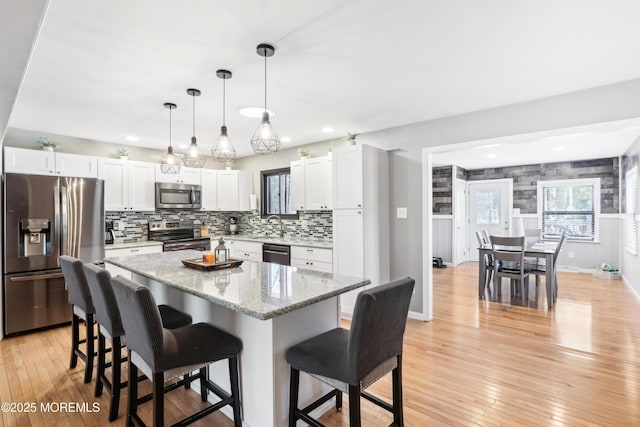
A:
(544, 250)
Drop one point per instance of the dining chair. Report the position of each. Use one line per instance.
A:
(488, 264)
(540, 269)
(508, 261)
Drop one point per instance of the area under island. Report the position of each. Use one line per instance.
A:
(268, 306)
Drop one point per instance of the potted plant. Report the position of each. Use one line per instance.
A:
(303, 153)
(47, 144)
(123, 153)
(351, 138)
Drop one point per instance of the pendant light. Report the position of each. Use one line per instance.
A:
(265, 140)
(223, 150)
(170, 162)
(192, 157)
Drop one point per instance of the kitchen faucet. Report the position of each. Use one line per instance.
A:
(280, 221)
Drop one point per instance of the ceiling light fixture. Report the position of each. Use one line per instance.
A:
(170, 162)
(265, 140)
(192, 158)
(131, 138)
(223, 150)
(327, 129)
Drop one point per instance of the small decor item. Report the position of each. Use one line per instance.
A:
(221, 253)
(303, 153)
(123, 153)
(47, 144)
(208, 258)
(351, 138)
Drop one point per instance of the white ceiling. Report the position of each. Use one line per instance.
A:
(102, 70)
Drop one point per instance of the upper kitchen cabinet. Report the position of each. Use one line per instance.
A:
(348, 177)
(209, 183)
(234, 189)
(39, 162)
(186, 175)
(311, 184)
(128, 185)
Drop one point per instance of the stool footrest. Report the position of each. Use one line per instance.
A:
(381, 403)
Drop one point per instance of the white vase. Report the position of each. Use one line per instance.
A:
(124, 157)
(47, 148)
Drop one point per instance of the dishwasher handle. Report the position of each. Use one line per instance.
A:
(36, 277)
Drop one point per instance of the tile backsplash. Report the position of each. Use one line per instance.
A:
(134, 226)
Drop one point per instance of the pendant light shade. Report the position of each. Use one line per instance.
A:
(265, 140)
(170, 162)
(223, 150)
(192, 157)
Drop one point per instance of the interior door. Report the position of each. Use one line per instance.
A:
(489, 208)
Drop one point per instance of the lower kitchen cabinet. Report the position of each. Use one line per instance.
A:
(241, 249)
(155, 249)
(316, 259)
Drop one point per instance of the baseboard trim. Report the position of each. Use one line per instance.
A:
(628, 284)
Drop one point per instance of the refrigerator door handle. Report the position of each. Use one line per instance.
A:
(36, 277)
(64, 218)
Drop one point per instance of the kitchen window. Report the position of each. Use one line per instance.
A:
(275, 188)
(570, 206)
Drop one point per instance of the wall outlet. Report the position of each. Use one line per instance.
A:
(401, 212)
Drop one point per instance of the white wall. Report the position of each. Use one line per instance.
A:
(442, 238)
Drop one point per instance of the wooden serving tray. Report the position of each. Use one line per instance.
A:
(198, 264)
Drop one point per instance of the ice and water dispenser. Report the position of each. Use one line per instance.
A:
(36, 237)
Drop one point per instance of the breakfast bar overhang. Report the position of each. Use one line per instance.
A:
(268, 306)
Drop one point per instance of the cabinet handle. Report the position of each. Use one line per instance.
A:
(135, 250)
(359, 212)
(359, 205)
(309, 250)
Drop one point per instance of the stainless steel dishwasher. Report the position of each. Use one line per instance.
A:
(277, 254)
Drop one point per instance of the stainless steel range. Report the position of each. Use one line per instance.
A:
(177, 235)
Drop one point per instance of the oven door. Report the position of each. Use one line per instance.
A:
(178, 196)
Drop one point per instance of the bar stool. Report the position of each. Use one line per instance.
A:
(82, 309)
(351, 360)
(110, 328)
(164, 354)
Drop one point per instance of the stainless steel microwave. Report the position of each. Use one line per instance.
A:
(178, 196)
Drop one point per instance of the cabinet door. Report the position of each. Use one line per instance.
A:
(314, 183)
(209, 182)
(115, 174)
(245, 189)
(328, 184)
(76, 165)
(348, 250)
(190, 176)
(347, 178)
(34, 162)
(142, 194)
(228, 190)
(297, 185)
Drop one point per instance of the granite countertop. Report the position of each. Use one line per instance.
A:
(259, 289)
(291, 241)
(128, 245)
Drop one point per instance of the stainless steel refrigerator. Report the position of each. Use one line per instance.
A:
(45, 217)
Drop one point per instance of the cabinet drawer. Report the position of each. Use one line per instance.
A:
(252, 256)
(312, 254)
(133, 251)
(325, 267)
(243, 246)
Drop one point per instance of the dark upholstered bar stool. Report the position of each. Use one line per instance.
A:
(82, 306)
(110, 328)
(351, 360)
(163, 354)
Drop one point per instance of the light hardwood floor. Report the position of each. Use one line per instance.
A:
(477, 363)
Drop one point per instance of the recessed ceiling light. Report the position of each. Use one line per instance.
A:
(131, 138)
(183, 146)
(255, 112)
(492, 156)
(327, 129)
(285, 139)
(557, 149)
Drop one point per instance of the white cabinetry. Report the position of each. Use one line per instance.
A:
(241, 249)
(234, 189)
(311, 184)
(360, 217)
(209, 183)
(156, 249)
(316, 259)
(186, 175)
(40, 162)
(128, 185)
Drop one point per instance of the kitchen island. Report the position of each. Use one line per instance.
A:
(268, 306)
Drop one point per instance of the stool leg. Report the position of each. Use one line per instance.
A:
(294, 381)
(158, 399)
(75, 340)
(338, 400)
(101, 365)
(203, 383)
(116, 380)
(354, 406)
(235, 390)
(132, 398)
(88, 368)
(398, 415)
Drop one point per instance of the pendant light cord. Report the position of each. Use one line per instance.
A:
(194, 114)
(265, 82)
(224, 97)
(170, 127)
